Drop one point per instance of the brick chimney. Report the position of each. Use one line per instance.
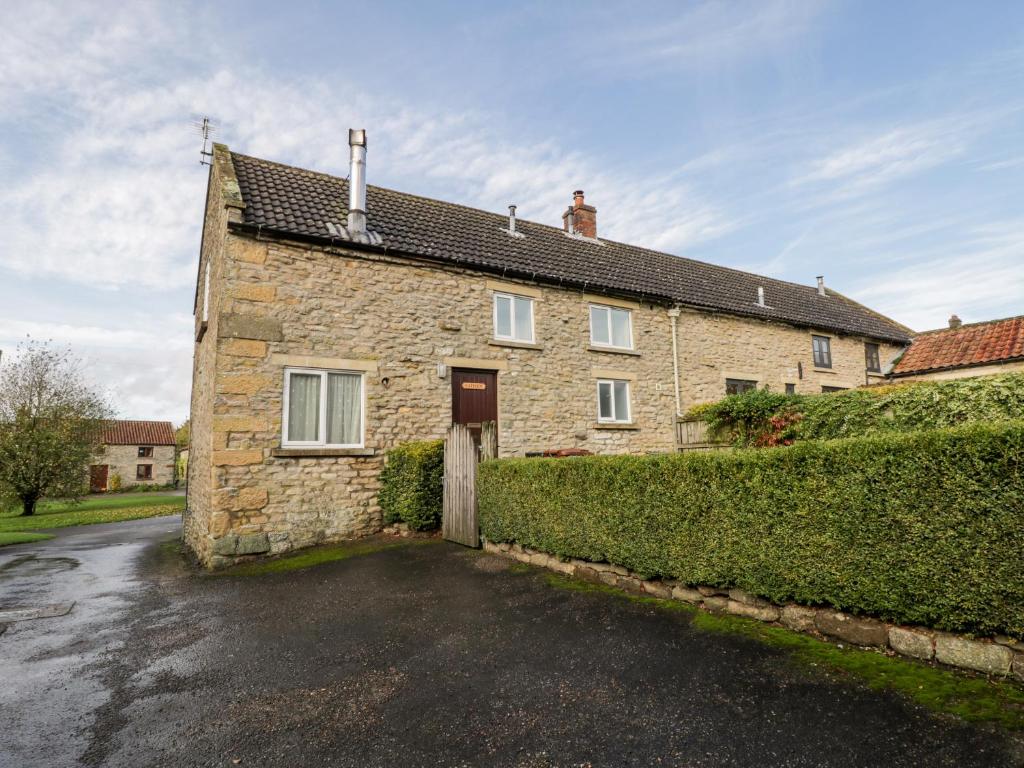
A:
(582, 217)
(955, 322)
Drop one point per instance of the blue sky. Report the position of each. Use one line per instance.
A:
(877, 143)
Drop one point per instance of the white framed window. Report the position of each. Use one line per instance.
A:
(611, 327)
(613, 401)
(206, 292)
(323, 408)
(513, 318)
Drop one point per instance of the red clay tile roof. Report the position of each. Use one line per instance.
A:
(995, 341)
(139, 433)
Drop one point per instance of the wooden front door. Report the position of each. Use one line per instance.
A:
(474, 399)
(98, 477)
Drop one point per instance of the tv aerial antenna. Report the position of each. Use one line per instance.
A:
(205, 127)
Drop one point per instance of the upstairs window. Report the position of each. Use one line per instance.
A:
(145, 452)
(613, 401)
(822, 351)
(513, 318)
(322, 408)
(739, 386)
(611, 327)
(871, 359)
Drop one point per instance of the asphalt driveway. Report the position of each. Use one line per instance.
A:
(427, 655)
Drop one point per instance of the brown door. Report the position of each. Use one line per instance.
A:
(98, 477)
(474, 399)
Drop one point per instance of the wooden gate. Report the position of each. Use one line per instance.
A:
(461, 456)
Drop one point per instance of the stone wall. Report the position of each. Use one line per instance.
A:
(967, 373)
(275, 304)
(123, 460)
(1000, 656)
(716, 347)
(223, 203)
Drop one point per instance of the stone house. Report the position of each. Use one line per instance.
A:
(961, 351)
(136, 452)
(334, 320)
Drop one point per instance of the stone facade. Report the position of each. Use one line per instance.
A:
(1000, 656)
(123, 460)
(404, 325)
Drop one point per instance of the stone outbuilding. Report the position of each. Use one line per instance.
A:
(335, 320)
(134, 453)
(961, 351)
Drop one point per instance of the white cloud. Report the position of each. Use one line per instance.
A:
(978, 277)
(879, 160)
(143, 363)
(704, 35)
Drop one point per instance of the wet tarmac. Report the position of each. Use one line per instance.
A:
(429, 655)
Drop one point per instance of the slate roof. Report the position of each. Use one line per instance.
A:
(300, 203)
(995, 341)
(123, 432)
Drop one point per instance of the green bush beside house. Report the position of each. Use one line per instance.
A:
(923, 528)
(768, 418)
(412, 485)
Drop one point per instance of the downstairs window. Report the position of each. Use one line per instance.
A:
(322, 409)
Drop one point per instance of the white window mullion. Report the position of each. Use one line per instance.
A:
(323, 407)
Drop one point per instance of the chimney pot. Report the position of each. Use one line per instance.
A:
(512, 219)
(580, 219)
(821, 285)
(955, 322)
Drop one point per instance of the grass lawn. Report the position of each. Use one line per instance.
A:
(22, 538)
(15, 529)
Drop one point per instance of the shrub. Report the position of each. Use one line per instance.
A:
(412, 484)
(114, 483)
(747, 419)
(925, 528)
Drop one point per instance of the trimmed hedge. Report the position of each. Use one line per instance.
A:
(926, 528)
(412, 484)
(747, 419)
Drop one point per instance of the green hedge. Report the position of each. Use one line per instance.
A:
(926, 528)
(412, 485)
(746, 419)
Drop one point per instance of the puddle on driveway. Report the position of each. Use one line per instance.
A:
(42, 612)
(33, 565)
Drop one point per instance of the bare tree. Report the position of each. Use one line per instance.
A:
(51, 425)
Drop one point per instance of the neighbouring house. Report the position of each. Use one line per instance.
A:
(334, 320)
(961, 351)
(137, 453)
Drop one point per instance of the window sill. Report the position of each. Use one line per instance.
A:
(823, 370)
(876, 374)
(613, 425)
(298, 453)
(513, 344)
(614, 350)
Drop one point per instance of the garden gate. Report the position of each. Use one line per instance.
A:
(461, 456)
